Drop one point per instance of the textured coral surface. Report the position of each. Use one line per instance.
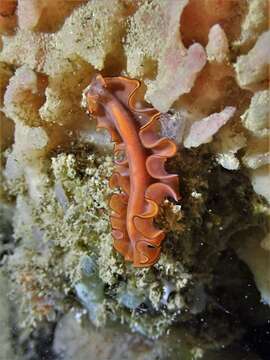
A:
(204, 64)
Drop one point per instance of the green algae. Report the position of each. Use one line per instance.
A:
(68, 232)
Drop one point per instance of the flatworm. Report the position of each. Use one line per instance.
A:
(140, 175)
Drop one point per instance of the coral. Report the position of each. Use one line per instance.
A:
(44, 15)
(24, 96)
(252, 69)
(205, 64)
(227, 144)
(63, 93)
(255, 22)
(177, 67)
(214, 88)
(256, 157)
(135, 235)
(217, 48)
(198, 18)
(256, 120)
(92, 33)
(23, 163)
(201, 131)
(15, 49)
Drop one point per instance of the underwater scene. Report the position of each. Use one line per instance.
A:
(134, 180)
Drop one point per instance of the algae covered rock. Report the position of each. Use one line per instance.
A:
(5, 313)
(68, 234)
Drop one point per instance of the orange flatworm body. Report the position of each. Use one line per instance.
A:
(140, 175)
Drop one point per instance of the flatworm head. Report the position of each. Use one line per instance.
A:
(140, 174)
